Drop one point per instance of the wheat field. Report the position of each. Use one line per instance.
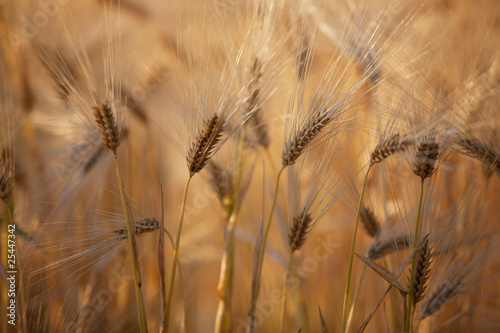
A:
(249, 166)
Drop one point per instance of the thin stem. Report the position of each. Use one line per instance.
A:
(161, 266)
(414, 260)
(129, 219)
(176, 253)
(224, 290)
(356, 295)
(270, 158)
(351, 255)
(253, 307)
(283, 304)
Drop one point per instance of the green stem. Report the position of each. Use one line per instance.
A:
(283, 304)
(253, 307)
(414, 260)
(351, 255)
(176, 253)
(129, 219)
(223, 322)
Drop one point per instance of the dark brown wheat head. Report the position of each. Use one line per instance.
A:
(108, 126)
(299, 230)
(221, 179)
(5, 182)
(426, 157)
(369, 221)
(423, 260)
(141, 227)
(206, 143)
(387, 147)
(303, 138)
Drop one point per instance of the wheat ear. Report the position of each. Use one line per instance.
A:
(478, 150)
(141, 227)
(382, 247)
(302, 139)
(388, 147)
(444, 293)
(205, 145)
(6, 187)
(107, 125)
(423, 260)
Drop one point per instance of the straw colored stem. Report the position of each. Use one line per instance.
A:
(253, 307)
(133, 251)
(270, 158)
(414, 261)
(224, 290)
(356, 295)
(351, 255)
(176, 253)
(283, 304)
(161, 267)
